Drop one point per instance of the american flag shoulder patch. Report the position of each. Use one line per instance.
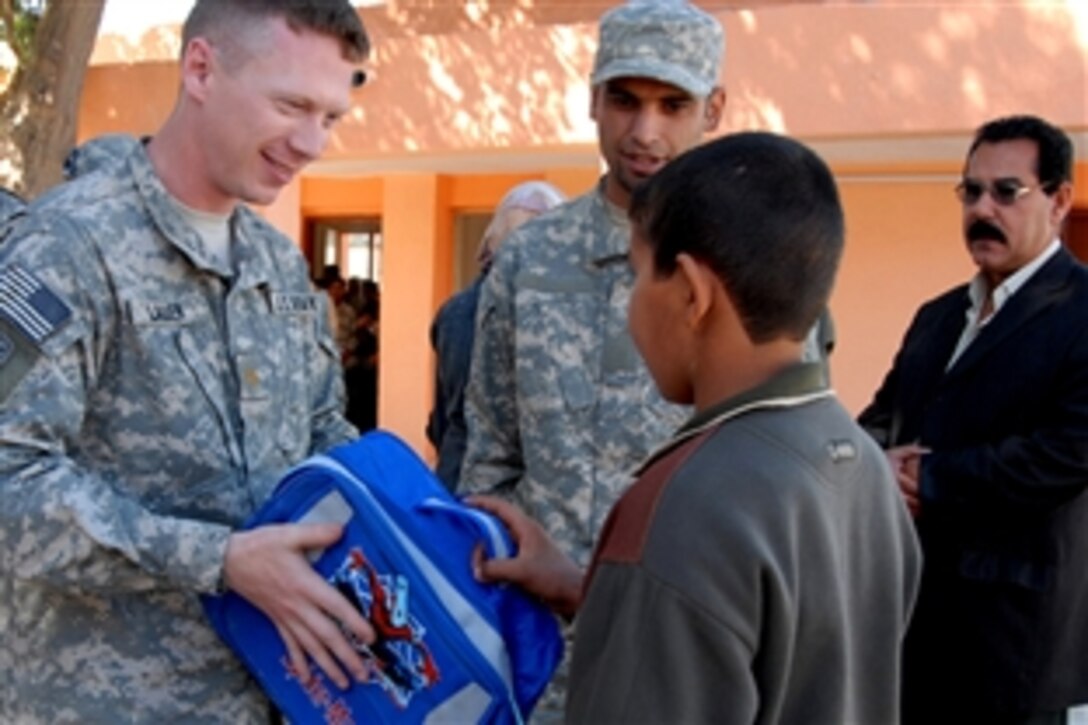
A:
(29, 306)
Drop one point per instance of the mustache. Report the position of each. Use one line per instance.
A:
(982, 229)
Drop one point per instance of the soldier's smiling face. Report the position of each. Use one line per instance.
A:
(268, 102)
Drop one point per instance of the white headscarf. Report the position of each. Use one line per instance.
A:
(519, 205)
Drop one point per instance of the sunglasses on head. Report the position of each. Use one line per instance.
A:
(1003, 191)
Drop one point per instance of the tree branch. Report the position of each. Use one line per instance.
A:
(15, 31)
(38, 111)
(7, 18)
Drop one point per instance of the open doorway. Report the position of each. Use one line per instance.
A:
(352, 245)
(345, 258)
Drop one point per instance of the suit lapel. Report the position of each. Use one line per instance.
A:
(1036, 295)
(942, 340)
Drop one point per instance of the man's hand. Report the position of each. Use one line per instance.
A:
(268, 567)
(539, 567)
(905, 461)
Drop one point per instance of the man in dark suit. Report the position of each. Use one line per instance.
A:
(984, 418)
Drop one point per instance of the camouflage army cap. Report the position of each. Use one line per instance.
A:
(667, 40)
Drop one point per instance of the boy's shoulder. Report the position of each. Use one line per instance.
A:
(776, 454)
(745, 479)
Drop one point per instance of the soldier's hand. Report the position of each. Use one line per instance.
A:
(268, 566)
(539, 567)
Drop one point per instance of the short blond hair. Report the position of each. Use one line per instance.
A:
(222, 21)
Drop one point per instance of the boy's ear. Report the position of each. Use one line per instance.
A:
(699, 281)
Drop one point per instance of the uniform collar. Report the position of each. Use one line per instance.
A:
(250, 259)
(612, 235)
(978, 287)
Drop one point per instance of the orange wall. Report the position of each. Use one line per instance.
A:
(127, 98)
(812, 70)
(454, 77)
(903, 246)
(416, 267)
(325, 197)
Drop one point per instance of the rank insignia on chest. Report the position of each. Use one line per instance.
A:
(254, 380)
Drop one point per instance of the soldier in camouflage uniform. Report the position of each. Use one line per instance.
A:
(163, 360)
(560, 408)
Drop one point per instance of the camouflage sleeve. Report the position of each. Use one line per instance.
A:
(328, 427)
(59, 523)
(493, 460)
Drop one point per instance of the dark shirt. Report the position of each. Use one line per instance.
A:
(452, 334)
(361, 379)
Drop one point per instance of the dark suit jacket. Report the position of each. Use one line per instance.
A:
(452, 335)
(1002, 620)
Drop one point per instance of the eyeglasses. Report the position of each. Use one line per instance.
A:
(1003, 191)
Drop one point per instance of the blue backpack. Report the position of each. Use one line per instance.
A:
(448, 648)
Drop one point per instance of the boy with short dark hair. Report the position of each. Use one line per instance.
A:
(762, 567)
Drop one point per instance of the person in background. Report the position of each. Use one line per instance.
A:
(347, 321)
(356, 296)
(163, 361)
(762, 567)
(342, 313)
(453, 329)
(984, 418)
(362, 376)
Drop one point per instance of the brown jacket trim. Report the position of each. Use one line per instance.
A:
(637, 506)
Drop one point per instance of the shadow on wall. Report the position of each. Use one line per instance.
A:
(809, 69)
(512, 74)
(901, 68)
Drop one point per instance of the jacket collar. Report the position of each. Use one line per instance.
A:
(611, 236)
(1038, 293)
(796, 385)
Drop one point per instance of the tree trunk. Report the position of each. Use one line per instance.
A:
(38, 111)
